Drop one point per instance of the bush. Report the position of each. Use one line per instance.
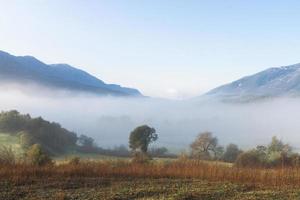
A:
(7, 156)
(248, 159)
(36, 156)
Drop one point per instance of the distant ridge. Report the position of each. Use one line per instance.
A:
(20, 69)
(273, 82)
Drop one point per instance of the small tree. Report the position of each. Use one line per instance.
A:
(205, 145)
(36, 156)
(141, 137)
(7, 155)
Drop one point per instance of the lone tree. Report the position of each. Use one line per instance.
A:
(205, 145)
(141, 137)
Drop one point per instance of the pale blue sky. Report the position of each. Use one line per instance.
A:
(173, 49)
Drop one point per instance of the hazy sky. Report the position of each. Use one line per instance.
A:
(174, 49)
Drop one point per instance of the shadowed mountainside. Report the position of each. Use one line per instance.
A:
(27, 69)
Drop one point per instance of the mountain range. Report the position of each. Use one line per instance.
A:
(27, 69)
(273, 82)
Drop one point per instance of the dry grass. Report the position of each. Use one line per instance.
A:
(22, 174)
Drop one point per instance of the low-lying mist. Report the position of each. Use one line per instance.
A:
(110, 119)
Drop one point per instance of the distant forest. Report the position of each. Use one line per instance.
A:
(56, 140)
(50, 135)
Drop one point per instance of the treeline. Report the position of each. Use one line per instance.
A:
(50, 135)
(87, 145)
(275, 154)
(56, 140)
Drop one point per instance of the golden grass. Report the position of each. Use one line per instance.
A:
(190, 169)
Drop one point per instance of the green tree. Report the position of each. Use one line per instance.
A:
(141, 137)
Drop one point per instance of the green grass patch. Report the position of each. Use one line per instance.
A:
(9, 140)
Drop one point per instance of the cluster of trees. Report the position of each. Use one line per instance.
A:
(51, 136)
(54, 140)
(275, 154)
(40, 138)
(206, 147)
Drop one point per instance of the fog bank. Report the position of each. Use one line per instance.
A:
(109, 119)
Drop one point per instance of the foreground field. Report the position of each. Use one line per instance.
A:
(147, 189)
(123, 180)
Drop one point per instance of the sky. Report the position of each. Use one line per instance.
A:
(172, 49)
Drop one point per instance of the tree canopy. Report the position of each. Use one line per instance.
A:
(141, 137)
(50, 135)
(205, 145)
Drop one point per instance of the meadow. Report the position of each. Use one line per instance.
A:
(42, 160)
(158, 179)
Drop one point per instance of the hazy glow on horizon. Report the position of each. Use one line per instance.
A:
(172, 49)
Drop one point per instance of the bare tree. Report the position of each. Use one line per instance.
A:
(205, 146)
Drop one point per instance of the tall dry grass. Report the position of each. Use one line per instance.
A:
(22, 173)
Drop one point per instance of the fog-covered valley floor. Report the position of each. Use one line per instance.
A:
(110, 119)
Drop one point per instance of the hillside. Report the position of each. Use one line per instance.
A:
(27, 69)
(22, 131)
(273, 82)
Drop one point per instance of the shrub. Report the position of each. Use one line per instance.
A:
(36, 156)
(7, 156)
(248, 159)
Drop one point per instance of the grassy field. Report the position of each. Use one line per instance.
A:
(122, 180)
(113, 178)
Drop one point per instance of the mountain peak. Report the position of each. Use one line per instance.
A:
(60, 76)
(272, 82)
